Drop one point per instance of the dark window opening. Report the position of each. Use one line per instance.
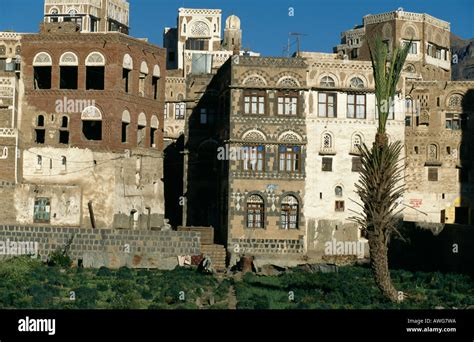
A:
(196, 44)
(327, 164)
(95, 77)
(92, 130)
(432, 174)
(356, 164)
(64, 122)
(124, 131)
(94, 24)
(152, 136)
(40, 121)
(64, 137)
(42, 77)
(40, 136)
(68, 77)
(154, 82)
(339, 206)
(126, 79)
(141, 136)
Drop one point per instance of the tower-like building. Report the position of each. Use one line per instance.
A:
(90, 15)
(429, 57)
(232, 34)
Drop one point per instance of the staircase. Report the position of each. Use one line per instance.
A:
(217, 253)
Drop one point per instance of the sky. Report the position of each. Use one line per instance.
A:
(265, 23)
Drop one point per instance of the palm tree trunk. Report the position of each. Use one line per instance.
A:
(379, 264)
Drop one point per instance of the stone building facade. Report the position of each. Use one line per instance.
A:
(89, 15)
(439, 152)
(90, 118)
(340, 115)
(430, 55)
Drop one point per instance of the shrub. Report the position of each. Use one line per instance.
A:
(104, 272)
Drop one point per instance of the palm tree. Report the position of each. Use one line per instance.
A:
(381, 179)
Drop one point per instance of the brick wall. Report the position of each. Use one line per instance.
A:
(266, 246)
(110, 248)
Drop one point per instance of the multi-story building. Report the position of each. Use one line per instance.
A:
(341, 115)
(9, 86)
(439, 152)
(89, 119)
(89, 15)
(429, 57)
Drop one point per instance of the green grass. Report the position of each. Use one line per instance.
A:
(28, 283)
(353, 288)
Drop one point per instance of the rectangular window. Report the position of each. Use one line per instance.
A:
(141, 84)
(40, 136)
(165, 111)
(408, 121)
(432, 174)
(95, 77)
(289, 216)
(254, 102)
(92, 130)
(327, 164)
(355, 53)
(42, 77)
(356, 106)
(413, 47)
(125, 126)
(180, 111)
(454, 122)
(68, 77)
(327, 105)
(155, 83)
(125, 80)
(196, 44)
(339, 206)
(289, 158)
(356, 164)
(203, 116)
(288, 103)
(64, 137)
(42, 210)
(253, 158)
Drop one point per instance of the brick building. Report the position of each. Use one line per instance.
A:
(90, 118)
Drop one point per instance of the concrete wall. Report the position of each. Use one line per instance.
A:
(110, 248)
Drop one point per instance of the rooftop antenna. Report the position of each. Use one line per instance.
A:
(298, 41)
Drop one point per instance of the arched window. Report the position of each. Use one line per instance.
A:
(40, 131)
(356, 142)
(64, 130)
(327, 141)
(42, 66)
(338, 191)
(356, 82)
(141, 130)
(63, 162)
(255, 212)
(68, 63)
(289, 213)
(125, 125)
(327, 81)
(142, 79)
(432, 152)
(95, 71)
(92, 123)
(154, 124)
